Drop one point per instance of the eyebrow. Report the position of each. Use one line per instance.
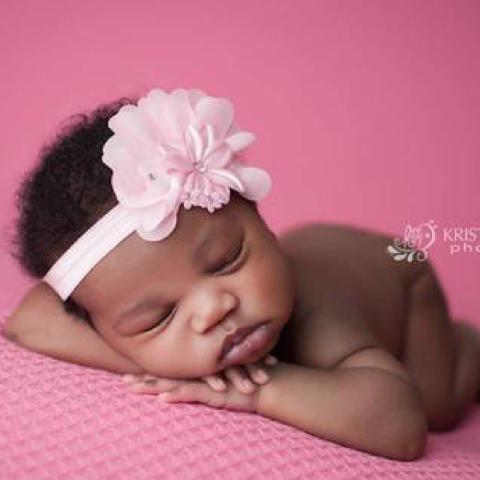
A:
(149, 303)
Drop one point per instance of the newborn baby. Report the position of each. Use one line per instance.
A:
(364, 343)
(365, 351)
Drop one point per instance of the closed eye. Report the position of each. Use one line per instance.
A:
(219, 268)
(232, 260)
(163, 319)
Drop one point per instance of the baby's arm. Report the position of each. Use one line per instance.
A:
(367, 402)
(41, 323)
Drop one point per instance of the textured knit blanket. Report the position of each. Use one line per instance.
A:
(64, 421)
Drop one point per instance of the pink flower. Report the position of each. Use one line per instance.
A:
(174, 149)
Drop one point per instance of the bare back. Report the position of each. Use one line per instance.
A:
(349, 291)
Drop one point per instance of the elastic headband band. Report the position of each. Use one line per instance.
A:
(168, 150)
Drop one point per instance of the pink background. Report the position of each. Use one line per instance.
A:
(366, 112)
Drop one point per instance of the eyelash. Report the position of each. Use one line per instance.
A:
(230, 262)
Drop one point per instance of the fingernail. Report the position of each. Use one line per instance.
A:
(220, 383)
(137, 387)
(127, 378)
(262, 375)
(271, 360)
(248, 385)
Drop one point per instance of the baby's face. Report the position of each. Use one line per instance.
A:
(169, 305)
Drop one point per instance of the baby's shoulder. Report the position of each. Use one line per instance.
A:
(346, 288)
(338, 250)
(319, 339)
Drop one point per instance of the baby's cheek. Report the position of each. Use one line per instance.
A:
(129, 348)
(175, 356)
(272, 285)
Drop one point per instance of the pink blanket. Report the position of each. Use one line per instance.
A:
(61, 420)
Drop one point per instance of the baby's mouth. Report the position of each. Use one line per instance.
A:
(235, 338)
(244, 345)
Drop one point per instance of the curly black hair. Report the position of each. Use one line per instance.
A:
(67, 191)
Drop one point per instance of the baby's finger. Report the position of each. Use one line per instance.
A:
(270, 360)
(216, 382)
(257, 373)
(194, 392)
(239, 377)
(154, 385)
(132, 378)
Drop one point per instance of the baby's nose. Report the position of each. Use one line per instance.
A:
(213, 310)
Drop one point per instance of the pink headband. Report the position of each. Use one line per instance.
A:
(168, 150)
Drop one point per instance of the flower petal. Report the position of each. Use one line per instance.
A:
(257, 182)
(169, 113)
(210, 140)
(177, 161)
(194, 96)
(129, 124)
(194, 142)
(118, 156)
(176, 115)
(152, 107)
(153, 215)
(220, 157)
(240, 140)
(162, 230)
(218, 112)
(130, 175)
(226, 178)
(164, 190)
(128, 197)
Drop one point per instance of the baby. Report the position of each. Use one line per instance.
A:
(164, 269)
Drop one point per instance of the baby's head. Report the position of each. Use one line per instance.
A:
(168, 305)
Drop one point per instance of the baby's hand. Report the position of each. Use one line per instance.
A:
(244, 377)
(211, 390)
